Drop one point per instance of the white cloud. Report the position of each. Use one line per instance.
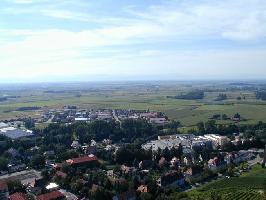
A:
(23, 1)
(65, 52)
(234, 20)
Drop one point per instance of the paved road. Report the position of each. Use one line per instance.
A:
(255, 161)
(50, 120)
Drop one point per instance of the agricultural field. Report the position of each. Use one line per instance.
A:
(152, 96)
(249, 186)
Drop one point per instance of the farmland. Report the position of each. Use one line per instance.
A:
(153, 96)
(249, 186)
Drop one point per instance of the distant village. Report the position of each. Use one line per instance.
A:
(71, 114)
(181, 160)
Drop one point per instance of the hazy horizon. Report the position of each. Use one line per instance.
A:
(70, 41)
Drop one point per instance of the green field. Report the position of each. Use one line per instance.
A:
(142, 97)
(250, 186)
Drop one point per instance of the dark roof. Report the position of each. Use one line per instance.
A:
(54, 195)
(38, 182)
(3, 185)
(80, 160)
(171, 177)
(16, 133)
(18, 196)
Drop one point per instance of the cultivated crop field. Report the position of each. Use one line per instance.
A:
(153, 96)
(249, 186)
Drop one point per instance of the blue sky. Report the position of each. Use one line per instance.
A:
(90, 40)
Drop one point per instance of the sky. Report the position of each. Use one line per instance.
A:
(99, 40)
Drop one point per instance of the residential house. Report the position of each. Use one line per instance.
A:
(49, 153)
(16, 167)
(145, 164)
(19, 196)
(110, 173)
(159, 121)
(54, 195)
(3, 190)
(13, 153)
(175, 162)
(171, 178)
(216, 164)
(142, 189)
(125, 196)
(127, 170)
(187, 160)
(36, 186)
(162, 162)
(61, 174)
(83, 161)
(193, 171)
(52, 187)
(75, 144)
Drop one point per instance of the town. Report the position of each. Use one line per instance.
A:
(115, 154)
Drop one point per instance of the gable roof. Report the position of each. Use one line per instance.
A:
(61, 174)
(54, 195)
(80, 160)
(18, 196)
(3, 185)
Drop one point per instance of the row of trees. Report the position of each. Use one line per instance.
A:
(212, 127)
(193, 95)
(197, 94)
(221, 97)
(261, 95)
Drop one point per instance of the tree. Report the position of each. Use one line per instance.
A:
(166, 153)
(261, 95)
(15, 186)
(124, 156)
(38, 161)
(45, 175)
(201, 128)
(146, 196)
(197, 94)
(3, 163)
(180, 150)
(29, 123)
(237, 116)
(102, 194)
(210, 126)
(221, 97)
(224, 117)
(174, 124)
(66, 168)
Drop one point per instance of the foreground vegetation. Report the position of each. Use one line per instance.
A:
(251, 185)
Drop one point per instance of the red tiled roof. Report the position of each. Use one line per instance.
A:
(61, 174)
(80, 160)
(54, 195)
(58, 165)
(143, 189)
(18, 196)
(3, 185)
